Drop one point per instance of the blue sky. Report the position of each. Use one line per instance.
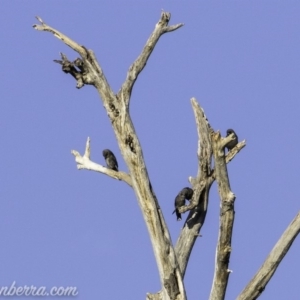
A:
(64, 227)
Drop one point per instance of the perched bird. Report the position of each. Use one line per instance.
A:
(110, 159)
(185, 193)
(188, 193)
(234, 142)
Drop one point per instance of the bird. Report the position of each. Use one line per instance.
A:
(185, 193)
(110, 159)
(234, 142)
(188, 193)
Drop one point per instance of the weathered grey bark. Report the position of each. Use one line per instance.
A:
(204, 156)
(117, 107)
(226, 217)
(258, 283)
(201, 185)
(205, 178)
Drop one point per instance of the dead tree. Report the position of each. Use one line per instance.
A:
(171, 260)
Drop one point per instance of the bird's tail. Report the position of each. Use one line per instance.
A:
(178, 214)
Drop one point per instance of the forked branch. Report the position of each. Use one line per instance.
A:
(205, 177)
(136, 68)
(118, 112)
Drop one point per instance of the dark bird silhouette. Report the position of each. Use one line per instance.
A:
(185, 193)
(110, 159)
(234, 142)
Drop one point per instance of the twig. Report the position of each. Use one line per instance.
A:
(44, 27)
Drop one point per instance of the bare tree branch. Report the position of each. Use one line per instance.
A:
(173, 27)
(191, 229)
(95, 74)
(221, 274)
(230, 155)
(118, 112)
(258, 283)
(84, 162)
(157, 296)
(201, 186)
(136, 68)
(196, 217)
(204, 155)
(44, 27)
